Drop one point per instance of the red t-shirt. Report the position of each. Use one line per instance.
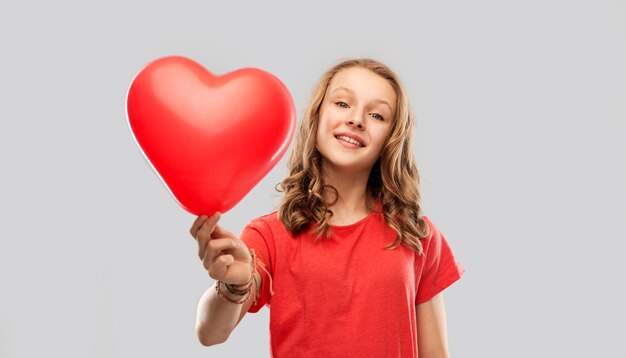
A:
(346, 296)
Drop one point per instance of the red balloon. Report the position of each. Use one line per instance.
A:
(209, 138)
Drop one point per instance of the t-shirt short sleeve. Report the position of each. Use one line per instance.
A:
(258, 236)
(437, 268)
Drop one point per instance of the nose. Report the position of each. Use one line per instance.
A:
(355, 122)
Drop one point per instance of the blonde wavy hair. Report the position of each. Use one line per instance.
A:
(393, 180)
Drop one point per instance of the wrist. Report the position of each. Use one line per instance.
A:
(225, 294)
(241, 288)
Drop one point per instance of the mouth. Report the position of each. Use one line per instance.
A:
(350, 140)
(349, 137)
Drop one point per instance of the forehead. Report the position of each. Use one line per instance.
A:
(363, 83)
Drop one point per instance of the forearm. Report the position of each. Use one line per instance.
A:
(216, 318)
(432, 337)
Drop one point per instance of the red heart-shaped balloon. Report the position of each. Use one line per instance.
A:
(209, 138)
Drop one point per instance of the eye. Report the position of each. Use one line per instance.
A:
(342, 104)
(377, 116)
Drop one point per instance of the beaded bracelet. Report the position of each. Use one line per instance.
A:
(240, 290)
(236, 291)
(219, 293)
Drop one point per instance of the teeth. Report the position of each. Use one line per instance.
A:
(349, 140)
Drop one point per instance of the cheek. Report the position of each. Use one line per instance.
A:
(381, 139)
(318, 137)
(321, 130)
(329, 117)
(324, 124)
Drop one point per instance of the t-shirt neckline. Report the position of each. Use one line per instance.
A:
(353, 224)
(360, 221)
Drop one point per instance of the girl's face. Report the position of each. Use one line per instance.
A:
(355, 119)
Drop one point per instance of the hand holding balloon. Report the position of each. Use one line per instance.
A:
(210, 139)
(223, 255)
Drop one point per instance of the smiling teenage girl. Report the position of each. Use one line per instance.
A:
(347, 264)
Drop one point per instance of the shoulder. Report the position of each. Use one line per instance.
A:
(268, 225)
(268, 220)
(433, 231)
(435, 243)
(432, 238)
(427, 220)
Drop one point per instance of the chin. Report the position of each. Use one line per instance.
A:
(348, 165)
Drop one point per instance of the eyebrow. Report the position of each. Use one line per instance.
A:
(352, 92)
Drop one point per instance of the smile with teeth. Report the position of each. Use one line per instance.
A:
(350, 140)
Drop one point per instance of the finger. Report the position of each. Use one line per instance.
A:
(219, 268)
(196, 225)
(220, 232)
(207, 227)
(215, 247)
(203, 235)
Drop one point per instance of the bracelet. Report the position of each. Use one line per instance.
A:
(242, 289)
(255, 261)
(256, 287)
(235, 290)
(219, 293)
(243, 285)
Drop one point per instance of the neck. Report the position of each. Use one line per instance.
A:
(353, 201)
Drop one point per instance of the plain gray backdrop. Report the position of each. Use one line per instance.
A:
(520, 140)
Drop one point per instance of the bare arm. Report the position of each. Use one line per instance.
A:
(216, 318)
(432, 336)
(227, 259)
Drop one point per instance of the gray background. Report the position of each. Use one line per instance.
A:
(520, 141)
